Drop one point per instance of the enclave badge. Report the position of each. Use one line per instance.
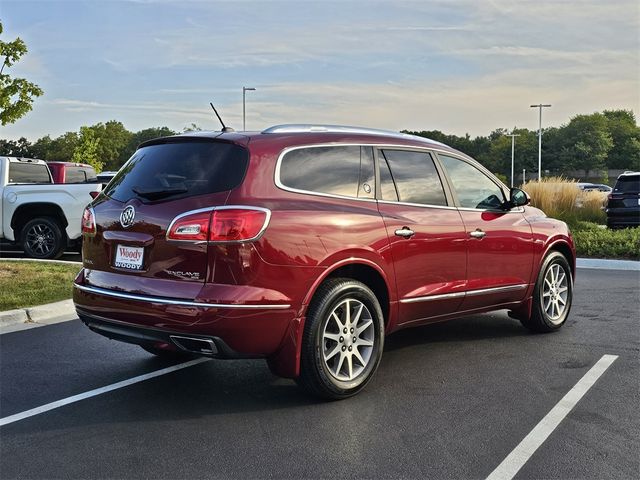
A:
(127, 216)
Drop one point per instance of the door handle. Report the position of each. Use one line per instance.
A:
(405, 232)
(477, 233)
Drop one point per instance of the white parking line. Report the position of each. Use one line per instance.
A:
(98, 391)
(527, 447)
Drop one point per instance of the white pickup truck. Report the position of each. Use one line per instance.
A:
(40, 216)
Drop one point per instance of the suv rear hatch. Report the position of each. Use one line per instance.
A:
(166, 178)
(626, 193)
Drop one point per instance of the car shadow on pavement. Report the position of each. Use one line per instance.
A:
(472, 328)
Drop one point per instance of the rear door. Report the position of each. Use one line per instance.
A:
(159, 183)
(499, 242)
(426, 235)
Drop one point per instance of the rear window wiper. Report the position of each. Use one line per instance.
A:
(153, 194)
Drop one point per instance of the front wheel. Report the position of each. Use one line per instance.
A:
(343, 340)
(552, 296)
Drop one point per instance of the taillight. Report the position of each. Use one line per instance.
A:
(193, 227)
(88, 222)
(94, 194)
(237, 224)
(226, 224)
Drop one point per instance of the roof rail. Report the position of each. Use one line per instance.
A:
(311, 128)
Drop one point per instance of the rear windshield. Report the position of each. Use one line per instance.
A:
(628, 184)
(26, 172)
(178, 170)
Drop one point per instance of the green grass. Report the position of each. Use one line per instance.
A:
(26, 284)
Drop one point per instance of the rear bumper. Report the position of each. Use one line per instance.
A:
(209, 346)
(623, 217)
(236, 330)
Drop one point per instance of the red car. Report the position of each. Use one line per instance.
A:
(307, 245)
(69, 172)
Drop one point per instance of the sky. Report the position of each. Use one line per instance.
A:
(460, 66)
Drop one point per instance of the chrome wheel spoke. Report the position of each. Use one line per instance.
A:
(363, 327)
(348, 339)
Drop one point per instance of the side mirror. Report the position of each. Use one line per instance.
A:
(518, 198)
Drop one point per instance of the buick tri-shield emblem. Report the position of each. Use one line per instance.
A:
(127, 216)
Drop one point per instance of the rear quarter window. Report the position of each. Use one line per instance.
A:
(188, 168)
(347, 171)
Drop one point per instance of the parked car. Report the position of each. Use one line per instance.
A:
(105, 177)
(623, 203)
(69, 172)
(599, 187)
(306, 245)
(40, 216)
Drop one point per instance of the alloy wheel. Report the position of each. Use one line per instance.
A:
(555, 292)
(40, 239)
(348, 339)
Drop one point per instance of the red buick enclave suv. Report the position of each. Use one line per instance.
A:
(306, 245)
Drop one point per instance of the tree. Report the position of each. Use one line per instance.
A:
(113, 139)
(586, 141)
(625, 153)
(87, 149)
(17, 148)
(60, 149)
(16, 94)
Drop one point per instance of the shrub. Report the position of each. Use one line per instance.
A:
(594, 241)
(561, 198)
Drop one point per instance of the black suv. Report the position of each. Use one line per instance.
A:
(623, 205)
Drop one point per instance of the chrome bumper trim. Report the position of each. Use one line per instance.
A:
(168, 301)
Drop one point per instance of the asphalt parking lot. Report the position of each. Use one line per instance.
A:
(450, 400)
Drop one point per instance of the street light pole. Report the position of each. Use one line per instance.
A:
(513, 148)
(540, 106)
(244, 106)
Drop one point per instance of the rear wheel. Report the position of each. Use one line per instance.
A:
(43, 238)
(552, 296)
(343, 340)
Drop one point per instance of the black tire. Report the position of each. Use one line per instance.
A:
(167, 354)
(321, 377)
(544, 320)
(43, 238)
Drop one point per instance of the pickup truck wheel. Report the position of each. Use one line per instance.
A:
(343, 340)
(43, 238)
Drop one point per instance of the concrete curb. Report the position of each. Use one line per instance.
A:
(604, 264)
(42, 314)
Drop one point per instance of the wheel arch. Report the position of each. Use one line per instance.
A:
(286, 362)
(29, 211)
(362, 270)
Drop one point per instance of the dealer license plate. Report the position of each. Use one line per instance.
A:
(129, 257)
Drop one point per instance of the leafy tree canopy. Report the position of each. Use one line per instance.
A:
(16, 94)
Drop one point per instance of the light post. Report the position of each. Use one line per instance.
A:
(244, 106)
(540, 106)
(513, 148)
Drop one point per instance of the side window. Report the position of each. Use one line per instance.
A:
(75, 175)
(415, 177)
(473, 188)
(20, 172)
(346, 171)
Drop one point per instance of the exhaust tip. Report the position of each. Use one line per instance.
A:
(201, 346)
